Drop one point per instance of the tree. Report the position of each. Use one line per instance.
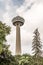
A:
(6, 57)
(4, 30)
(36, 44)
(4, 52)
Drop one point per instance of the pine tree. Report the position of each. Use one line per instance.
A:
(36, 44)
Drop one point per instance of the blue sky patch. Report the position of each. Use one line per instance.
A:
(2, 6)
(18, 2)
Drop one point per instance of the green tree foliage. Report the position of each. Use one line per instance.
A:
(6, 58)
(4, 30)
(36, 44)
(4, 52)
(27, 59)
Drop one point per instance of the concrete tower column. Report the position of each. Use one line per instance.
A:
(18, 40)
(18, 21)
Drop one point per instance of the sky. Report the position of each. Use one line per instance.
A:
(32, 12)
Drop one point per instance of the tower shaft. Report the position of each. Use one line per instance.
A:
(18, 21)
(18, 40)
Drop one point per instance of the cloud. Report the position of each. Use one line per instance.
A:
(10, 12)
(27, 5)
(33, 19)
(32, 12)
(6, 16)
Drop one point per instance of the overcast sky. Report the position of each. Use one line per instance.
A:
(32, 12)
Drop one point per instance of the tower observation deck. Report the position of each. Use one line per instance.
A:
(18, 21)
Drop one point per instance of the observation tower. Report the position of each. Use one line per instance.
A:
(18, 22)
